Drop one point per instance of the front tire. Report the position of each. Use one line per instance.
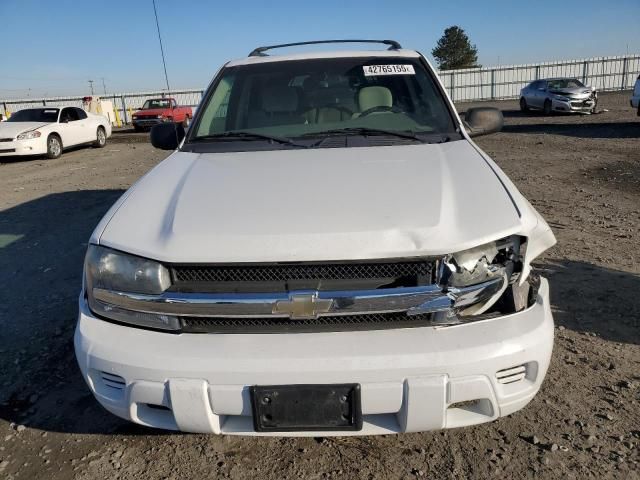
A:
(523, 105)
(54, 146)
(101, 138)
(547, 107)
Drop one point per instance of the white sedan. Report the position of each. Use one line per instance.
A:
(48, 131)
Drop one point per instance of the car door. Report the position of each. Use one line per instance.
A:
(529, 92)
(87, 126)
(70, 129)
(540, 93)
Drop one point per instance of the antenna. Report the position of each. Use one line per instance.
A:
(91, 85)
(164, 64)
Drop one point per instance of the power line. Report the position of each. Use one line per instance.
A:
(91, 86)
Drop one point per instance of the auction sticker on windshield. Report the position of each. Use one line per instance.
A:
(371, 70)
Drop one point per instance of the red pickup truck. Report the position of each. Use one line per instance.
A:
(158, 110)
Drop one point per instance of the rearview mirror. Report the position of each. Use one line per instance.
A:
(167, 136)
(483, 121)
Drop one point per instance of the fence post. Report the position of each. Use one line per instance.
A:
(624, 74)
(124, 110)
(493, 84)
(537, 72)
(453, 87)
(585, 72)
(44, 102)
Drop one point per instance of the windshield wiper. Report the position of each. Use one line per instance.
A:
(365, 131)
(248, 136)
(422, 137)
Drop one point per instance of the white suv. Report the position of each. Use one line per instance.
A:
(325, 252)
(635, 99)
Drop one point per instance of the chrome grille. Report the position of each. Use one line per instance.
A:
(376, 321)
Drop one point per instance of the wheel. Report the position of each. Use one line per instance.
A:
(186, 122)
(523, 105)
(54, 146)
(547, 107)
(101, 138)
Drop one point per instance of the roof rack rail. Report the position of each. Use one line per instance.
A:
(260, 51)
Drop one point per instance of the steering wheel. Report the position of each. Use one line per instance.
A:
(339, 108)
(381, 108)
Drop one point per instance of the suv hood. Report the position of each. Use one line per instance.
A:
(305, 205)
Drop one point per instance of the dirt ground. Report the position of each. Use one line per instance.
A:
(581, 172)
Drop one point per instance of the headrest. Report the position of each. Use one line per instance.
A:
(279, 99)
(370, 97)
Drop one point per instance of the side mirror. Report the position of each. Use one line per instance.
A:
(64, 120)
(167, 136)
(483, 121)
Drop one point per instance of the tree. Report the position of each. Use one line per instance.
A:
(454, 50)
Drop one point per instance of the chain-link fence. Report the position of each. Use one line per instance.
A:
(502, 82)
(124, 103)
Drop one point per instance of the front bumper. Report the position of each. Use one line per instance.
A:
(35, 146)
(574, 105)
(413, 379)
(146, 122)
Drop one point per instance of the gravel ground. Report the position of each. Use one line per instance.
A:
(581, 172)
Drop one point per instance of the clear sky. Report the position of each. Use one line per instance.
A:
(52, 47)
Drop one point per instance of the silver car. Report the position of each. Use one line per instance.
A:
(558, 95)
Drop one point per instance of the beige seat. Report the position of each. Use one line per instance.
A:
(372, 97)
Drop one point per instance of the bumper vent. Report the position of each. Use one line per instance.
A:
(377, 321)
(511, 375)
(113, 381)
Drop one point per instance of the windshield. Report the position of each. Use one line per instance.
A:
(159, 103)
(42, 115)
(303, 98)
(564, 83)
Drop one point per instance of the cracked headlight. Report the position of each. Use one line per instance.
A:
(476, 278)
(109, 274)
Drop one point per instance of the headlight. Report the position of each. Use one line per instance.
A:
(160, 116)
(135, 117)
(29, 135)
(478, 277)
(109, 273)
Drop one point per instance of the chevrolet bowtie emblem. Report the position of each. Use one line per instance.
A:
(303, 306)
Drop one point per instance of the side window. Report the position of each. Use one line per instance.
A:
(68, 115)
(81, 113)
(215, 116)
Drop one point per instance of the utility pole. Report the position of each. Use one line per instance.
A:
(104, 87)
(91, 86)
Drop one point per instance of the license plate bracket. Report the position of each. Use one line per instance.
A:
(305, 407)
